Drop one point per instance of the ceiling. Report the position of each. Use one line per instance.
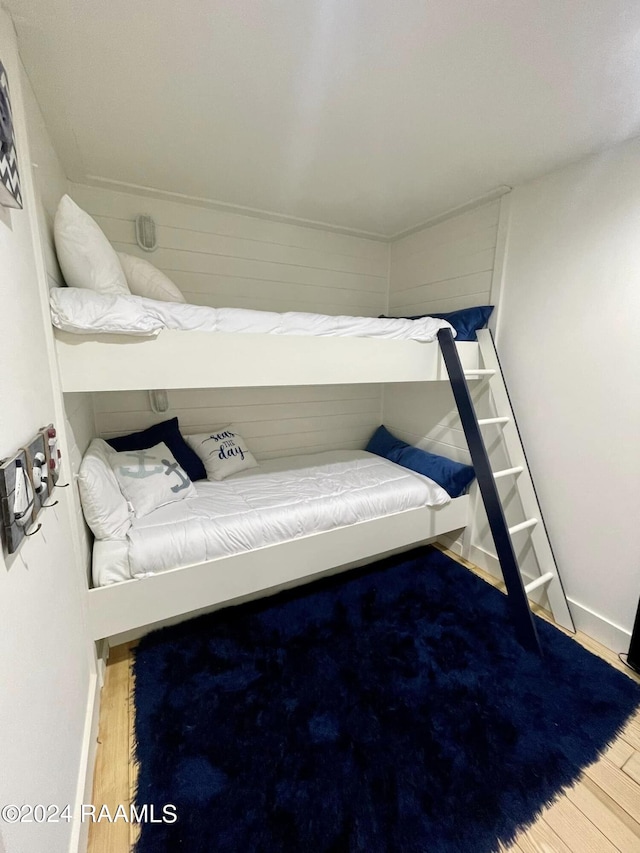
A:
(373, 115)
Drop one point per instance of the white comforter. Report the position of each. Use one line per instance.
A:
(84, 312)
(281, 500)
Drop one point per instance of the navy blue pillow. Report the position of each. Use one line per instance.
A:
(169, 433)
(466, 321)
(454, 477)
(382, 443)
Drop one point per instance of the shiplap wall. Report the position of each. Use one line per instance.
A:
(274, 421)
(230, 260)
(223, 259)
(445, 266)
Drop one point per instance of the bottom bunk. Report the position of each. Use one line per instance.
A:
(258, 531)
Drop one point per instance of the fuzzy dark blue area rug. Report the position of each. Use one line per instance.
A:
(385, 710)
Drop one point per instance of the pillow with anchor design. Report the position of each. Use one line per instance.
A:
(150, 478)
(223, 452)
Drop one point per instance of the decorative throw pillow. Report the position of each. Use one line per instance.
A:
(223, 452)
(146, 280)
(87, 259)
(103, 504)
(454, 477)
(169, 433)
(150, 478)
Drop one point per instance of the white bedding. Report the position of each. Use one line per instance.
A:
(281, 500)
(85, 312)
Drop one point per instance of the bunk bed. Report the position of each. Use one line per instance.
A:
(173, 358)
(111, 336)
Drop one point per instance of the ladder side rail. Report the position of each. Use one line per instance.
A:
(517, 598)
(539, 535)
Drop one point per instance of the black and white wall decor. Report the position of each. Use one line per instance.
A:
(10, 195)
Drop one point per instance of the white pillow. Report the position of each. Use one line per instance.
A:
(86, 257)
(150, 478)
(105, 509)
(223, 452)
(146, 280)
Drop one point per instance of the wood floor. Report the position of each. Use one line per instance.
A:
(600, 813)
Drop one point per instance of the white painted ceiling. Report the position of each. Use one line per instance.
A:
(368, 114)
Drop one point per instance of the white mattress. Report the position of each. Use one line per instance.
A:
(281, 500)
(84, 312)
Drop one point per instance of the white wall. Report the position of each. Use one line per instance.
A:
(570, 348)
(447, 265)
(274, 421)
(50, 185)
(226, 259)
(442, 267)
(223, 259)
(45, 661)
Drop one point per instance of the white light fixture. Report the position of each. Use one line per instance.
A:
(146, 232)
(159, 401)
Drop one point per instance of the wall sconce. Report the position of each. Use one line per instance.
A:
(159, 401)
(146, 232)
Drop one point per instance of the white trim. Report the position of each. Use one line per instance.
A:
(594, 625)
(84, 787)
(603, 630)
(125, 606)
(478, 201)
(276, 216)
(176, 359)
(499, 263)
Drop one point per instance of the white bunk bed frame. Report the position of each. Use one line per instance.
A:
(176, 359)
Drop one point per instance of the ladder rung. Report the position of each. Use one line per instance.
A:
(479, 371)
(485, 421)
(507, 472)
(531, 522)
(541, 581)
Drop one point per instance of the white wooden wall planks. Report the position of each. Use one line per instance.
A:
(230, 260)
(274, 421)
(445, 266)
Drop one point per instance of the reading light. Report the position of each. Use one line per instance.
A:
(159, 401)
(146, 232)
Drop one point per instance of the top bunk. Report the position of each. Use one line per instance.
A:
(181, 359)
(127, 343)
(122, 325)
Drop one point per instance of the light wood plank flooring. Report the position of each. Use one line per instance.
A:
(600, 813)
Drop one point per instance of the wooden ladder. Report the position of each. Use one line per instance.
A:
(518, 469)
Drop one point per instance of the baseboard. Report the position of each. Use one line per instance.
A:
(592, 624)
(84, 789)
(599, 628)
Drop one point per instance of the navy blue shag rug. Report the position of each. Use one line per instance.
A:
(388, 709)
